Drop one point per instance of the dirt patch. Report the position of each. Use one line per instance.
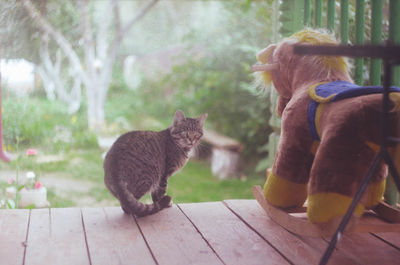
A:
(76, 191)
(50, 159)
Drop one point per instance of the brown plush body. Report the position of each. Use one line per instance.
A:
(326, 172)
(343, 156)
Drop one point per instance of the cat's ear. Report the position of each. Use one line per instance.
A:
(179, 117)
(202, 118)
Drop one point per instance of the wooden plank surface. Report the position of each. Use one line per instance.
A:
(174, 240)
(13, 229)
(296, 249)
(114, 238)
(233, 241)
(68, 237)
(38, 241)
(367, 249)
(56, 236)
(230, 232)
(390, 237)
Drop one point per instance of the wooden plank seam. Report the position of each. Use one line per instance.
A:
(25, 244)
(86, 240)
(201, 234)
(258, 233)
(385, 241)
(145, 240)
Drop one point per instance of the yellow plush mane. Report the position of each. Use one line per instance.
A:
(319, 37)
(320, 67)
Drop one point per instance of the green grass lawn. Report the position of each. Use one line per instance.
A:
(195, 183)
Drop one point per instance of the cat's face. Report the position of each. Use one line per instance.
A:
(187, 132)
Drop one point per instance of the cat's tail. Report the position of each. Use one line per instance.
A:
(131, 205)
(140, 209)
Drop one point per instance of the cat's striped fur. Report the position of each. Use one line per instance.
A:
(142, 161)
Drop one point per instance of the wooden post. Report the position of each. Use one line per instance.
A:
(360, 20)
(307, 13)
(292, 16)
(376, 38)
(391, 192)
(331, 15)
(318, 14)
(344, 21)
(394, 34)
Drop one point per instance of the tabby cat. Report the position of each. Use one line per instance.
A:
(142, 161)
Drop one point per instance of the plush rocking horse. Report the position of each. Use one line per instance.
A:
(329, 136)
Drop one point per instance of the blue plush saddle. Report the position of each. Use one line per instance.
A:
(334, 91)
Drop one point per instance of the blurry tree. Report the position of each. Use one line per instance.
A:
(21, 39)
(92, 63)
(169, 23)
(59, 79)
(16, 32)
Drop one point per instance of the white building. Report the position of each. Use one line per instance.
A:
(17, 75)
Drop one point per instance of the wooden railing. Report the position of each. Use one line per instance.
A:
(314, 12)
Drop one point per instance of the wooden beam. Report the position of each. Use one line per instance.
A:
(388, 52)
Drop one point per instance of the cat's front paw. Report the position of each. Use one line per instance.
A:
(125, 209)
(165, 202)
(157, 195)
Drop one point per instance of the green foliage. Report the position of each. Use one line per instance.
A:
(218, 85)
(57, 201)
(30, 120)
(34, 121)
(217, 79)
(122, 102)
(20, 37)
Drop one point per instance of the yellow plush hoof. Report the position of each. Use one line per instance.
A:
(284, 193)
(375, 193)
(325, 207)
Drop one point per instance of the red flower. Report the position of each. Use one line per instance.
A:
(31, 152)
(38, 185)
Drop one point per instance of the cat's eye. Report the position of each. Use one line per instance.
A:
(198, 135)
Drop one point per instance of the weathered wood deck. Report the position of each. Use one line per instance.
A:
(229, 232)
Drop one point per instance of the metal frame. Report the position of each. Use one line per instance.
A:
(391, 57)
